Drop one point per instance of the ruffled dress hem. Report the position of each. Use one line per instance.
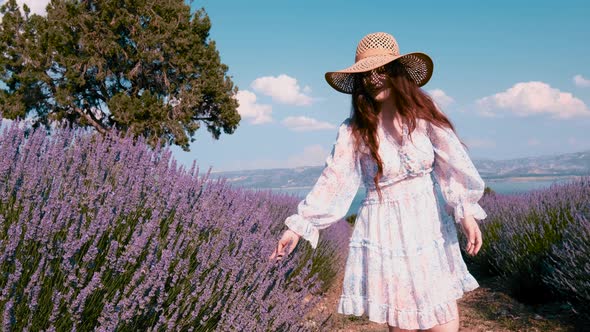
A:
(425, 318)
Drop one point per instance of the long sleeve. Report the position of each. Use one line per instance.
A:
(331, 196)
(460, 183)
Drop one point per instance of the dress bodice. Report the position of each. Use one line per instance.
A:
(414, 157)
(428, 149)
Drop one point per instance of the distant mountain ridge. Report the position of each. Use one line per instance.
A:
(562, 165)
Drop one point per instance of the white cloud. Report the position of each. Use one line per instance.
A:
(440, 97)
(480, 143)
(303, 123)
(249, 109)
(488, 113)
(533, 142)
(581, 81)
(313, 155)
(530, 98)
(36, 6)
(283, 89)
(572, 141)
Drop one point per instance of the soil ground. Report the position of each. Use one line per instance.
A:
(487, 308)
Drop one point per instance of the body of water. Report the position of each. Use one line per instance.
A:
(499, 186)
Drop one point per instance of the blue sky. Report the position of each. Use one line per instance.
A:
(514, 77)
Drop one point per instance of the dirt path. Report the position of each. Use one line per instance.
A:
(487, 308)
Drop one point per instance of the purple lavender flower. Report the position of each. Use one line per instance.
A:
(112, 230)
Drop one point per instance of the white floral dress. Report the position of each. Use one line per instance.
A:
(404, 265)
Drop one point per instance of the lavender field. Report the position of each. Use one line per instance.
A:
(538, 242)
(104, 233)
(107, 233)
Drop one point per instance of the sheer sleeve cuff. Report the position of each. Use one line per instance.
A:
(473, 209)
(304, 228)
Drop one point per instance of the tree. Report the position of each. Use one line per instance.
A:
(145, 66)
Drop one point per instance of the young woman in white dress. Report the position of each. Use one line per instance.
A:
(404, 265)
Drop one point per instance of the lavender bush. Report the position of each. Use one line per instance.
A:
(106, 233)
(569, 262)
(330, 256)
(532, 239)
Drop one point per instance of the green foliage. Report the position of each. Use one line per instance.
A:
(143, 66)
(484, 263)
(326, 262)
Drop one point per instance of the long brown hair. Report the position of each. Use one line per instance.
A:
(410, 101)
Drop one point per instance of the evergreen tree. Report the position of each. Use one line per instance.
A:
(145, 66)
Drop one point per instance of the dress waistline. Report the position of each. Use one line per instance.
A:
(407, 188)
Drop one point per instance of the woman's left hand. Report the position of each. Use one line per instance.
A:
(473, 233)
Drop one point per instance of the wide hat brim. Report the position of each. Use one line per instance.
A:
(419, 65)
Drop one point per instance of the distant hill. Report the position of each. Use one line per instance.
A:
(566, 164)
(562, 165)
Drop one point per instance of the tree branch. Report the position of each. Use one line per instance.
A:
(88, 118)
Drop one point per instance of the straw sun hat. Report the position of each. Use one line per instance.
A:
(376, 50)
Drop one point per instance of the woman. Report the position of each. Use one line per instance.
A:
(404, 265)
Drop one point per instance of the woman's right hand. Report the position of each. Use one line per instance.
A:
(286, 245)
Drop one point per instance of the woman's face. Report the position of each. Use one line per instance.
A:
(377, 84)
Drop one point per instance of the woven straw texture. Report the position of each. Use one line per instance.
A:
(376, 50)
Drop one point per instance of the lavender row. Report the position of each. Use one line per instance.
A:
(106, 232)
(538, 242)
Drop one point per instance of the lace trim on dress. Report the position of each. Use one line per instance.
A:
(405, 319)
(390, 252)
(466, 207)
